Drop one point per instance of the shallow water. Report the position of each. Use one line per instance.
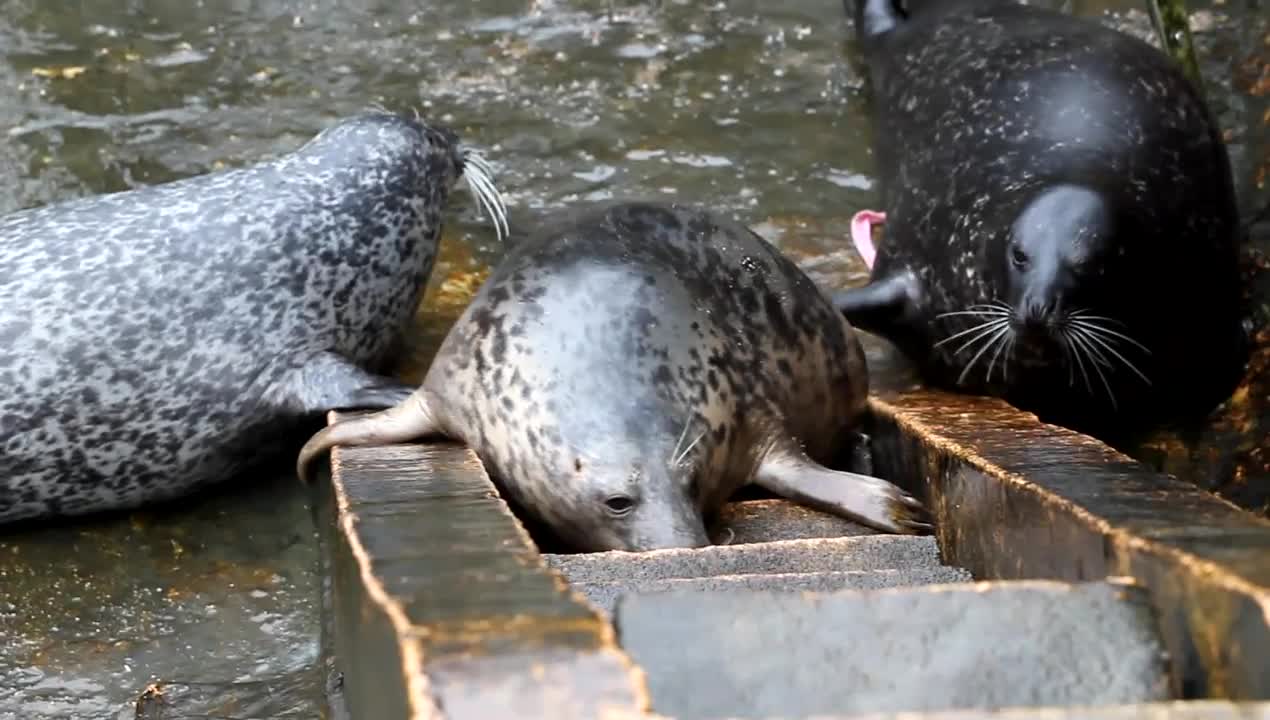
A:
(747, 106)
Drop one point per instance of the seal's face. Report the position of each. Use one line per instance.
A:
(635, 498)
(1058, 270)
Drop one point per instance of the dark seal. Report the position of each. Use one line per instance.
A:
(157, 340)
(623, 373)
(1060, 222)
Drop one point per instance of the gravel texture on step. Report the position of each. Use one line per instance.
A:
(754, 521)
(876, 552)
(605, 595)
(1174, 710)
(747, 654)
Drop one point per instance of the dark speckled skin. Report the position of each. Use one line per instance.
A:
(983, 106)
(655, 354)
(158, 340)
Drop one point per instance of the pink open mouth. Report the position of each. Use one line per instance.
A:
(862, 234)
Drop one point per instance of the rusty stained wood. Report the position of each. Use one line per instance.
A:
(442, 606)
(1015, 498)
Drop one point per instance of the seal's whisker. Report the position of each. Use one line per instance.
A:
(1080, 363)
(1109, 348)
(976, 313)
(478, 186)
(478, 175)
(1071, 366)
(1001, 331)
(1005, 365)
(688, 449)
(1082, 314)
(674, 452)
(985, 334)
(991, 324)
(1106, 331)
(1097, 360)
(482, 177)
(1001, 342)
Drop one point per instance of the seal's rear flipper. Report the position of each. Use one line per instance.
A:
(863, 498)
(329, 382)
(408, 420)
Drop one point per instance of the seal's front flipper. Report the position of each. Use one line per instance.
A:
(863, 498)
(880, 305)
(409, 420)
(329, 382)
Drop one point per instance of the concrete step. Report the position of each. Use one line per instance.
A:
(1176, 710)
(748, 654)
(876, 552)
(754, 521)
(604, 595)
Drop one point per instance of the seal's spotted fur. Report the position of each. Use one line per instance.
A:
(1060, 220)
(624, 373)
(157, 340)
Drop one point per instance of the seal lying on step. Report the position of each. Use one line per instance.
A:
(1060, 223)
(157, 340)
(622, 374)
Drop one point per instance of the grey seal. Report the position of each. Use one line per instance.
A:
(1060, 224)
(626, 369)
(157, 340)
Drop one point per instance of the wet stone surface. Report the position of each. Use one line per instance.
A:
(747, 106)
(750, 654)
(219, 591)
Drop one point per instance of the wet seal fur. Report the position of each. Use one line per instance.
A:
(155, 341)
(623, 373)
(1060, 219)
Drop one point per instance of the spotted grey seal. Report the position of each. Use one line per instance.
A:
(625, 370)
(156, 340)
(1060, 222)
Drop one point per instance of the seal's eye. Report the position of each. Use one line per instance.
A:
(1018, 257)
(619, 504)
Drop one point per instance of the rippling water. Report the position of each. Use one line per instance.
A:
(748, 106)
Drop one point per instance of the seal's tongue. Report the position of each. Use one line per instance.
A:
(862, 234)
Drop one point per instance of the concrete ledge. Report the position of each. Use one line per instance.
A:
(1015, 498)
(875, 552)
(1190, 710)
(755, 521)
(439, 605)
(605, 595)
(758, 655)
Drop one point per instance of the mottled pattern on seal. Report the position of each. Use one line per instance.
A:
(1060, 222)
(624, 371)
(157, 340)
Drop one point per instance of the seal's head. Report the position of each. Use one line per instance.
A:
(394, 150)
(635, 490)
(1054, 255)
(1057, 270)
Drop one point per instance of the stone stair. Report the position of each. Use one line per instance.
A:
(805, 615)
